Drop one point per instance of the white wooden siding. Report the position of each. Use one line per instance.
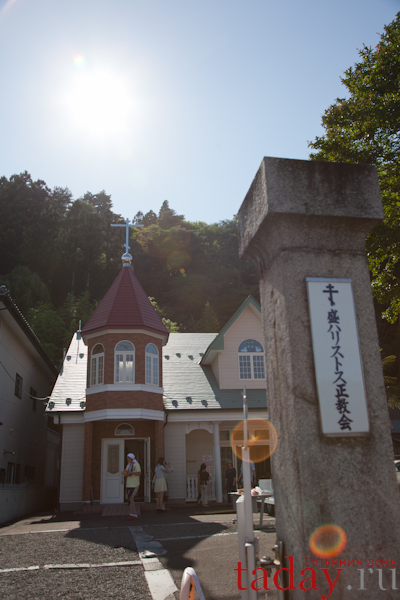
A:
(247, 326)
(25, 433)
(198, 443)
(175, 453)
(72, 463)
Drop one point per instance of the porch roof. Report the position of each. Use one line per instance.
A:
(188, 385)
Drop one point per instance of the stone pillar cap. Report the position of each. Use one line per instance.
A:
(309, 188)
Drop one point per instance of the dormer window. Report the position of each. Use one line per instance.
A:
(97, 365)
(124, 363)
(251, 360)
(152, 364)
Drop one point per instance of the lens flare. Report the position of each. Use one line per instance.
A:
(79, 61)
(262, 439)
(328, 541)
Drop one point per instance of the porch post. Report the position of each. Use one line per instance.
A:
(217, 454)
(87, 462)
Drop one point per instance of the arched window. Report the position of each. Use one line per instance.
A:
(152, 364)
(124, 429)
(251, 360)
(124, 363)
(97, 365)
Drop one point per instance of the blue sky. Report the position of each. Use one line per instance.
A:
(174, 100)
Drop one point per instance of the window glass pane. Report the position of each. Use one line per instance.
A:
(258, 366)
(98, 349)
(113, 460)
(250, 346)
(100, 372)
(148, 369)
(244, 367)
(124, 346)
(155, 370)
(125, 429)
(129, 367)
(151, 349)
(119, 365)
(93, 372)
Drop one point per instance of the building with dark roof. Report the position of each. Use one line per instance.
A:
(127, 385)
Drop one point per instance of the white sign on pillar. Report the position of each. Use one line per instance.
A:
(337, 359)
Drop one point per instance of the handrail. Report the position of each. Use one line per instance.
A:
(190, 583)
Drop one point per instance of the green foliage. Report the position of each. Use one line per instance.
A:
(391, 383)
(208, 322)
(26, 288)
(49, 328)
(171, 327)
(364, 128)
(66, 256)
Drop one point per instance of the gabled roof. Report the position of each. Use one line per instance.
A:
(125, 306)
(190, 385)
(69, 393)
(218, 343)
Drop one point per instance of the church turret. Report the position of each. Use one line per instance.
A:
(124, 393)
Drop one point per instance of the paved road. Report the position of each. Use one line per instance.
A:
(95, 558)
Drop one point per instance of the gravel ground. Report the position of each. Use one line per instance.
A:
(122, 583)
(189, 540)
(77, 546)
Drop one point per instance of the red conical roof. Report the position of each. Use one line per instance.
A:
(125, 306)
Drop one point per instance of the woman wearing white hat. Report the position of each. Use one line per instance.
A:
(132, 474)
(159, 484)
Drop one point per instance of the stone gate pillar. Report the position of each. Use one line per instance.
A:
(304, 220)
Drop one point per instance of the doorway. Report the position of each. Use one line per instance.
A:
(113, 483)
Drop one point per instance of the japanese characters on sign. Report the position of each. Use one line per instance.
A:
(337, 359)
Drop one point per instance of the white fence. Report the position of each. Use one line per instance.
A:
(17, 500)
(192, 489)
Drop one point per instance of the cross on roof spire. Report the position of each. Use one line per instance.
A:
(126, 258)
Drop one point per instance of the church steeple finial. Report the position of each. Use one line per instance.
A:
(126, 258)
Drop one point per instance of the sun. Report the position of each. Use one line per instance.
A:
(98, 102)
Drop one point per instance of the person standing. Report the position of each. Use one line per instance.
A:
(166, 493)
(230, 480)
(132, 474)
(159, 484)
(253, 476)
(204, 478)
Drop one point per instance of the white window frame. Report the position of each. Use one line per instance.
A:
(97, 367)
(121, 357)
(250, 362)
(152, 366)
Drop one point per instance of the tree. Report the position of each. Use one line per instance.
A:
(365, 128)
(208, 322)
(170, 325)
(26, 288)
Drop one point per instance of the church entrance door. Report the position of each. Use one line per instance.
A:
(112, 465)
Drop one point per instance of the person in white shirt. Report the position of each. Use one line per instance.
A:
(159, 484)
(132, 474)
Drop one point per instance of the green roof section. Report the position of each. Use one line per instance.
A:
(189, 385)
(218, 342)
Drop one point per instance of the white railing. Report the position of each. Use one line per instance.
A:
(191, 488)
